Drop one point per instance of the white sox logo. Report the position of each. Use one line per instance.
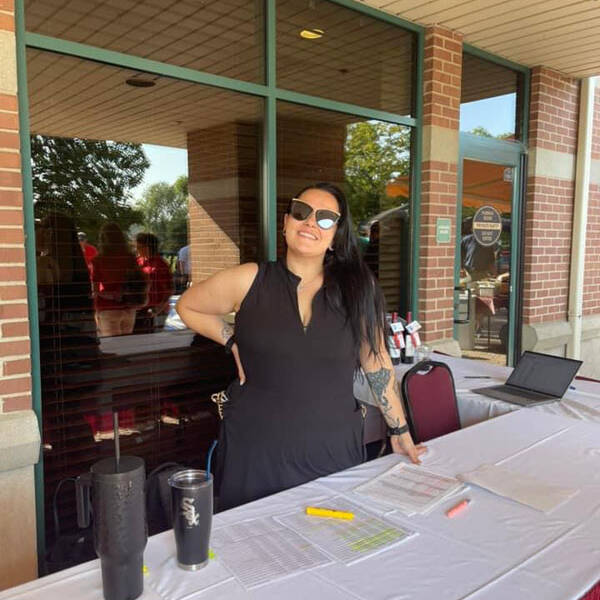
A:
(188, 510)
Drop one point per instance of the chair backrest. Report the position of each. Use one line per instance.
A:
(430, 400)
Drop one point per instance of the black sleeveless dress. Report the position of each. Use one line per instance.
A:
(295, 418)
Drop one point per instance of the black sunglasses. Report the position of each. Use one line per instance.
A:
(325, 219)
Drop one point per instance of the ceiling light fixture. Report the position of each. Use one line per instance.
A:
(139, 82)
(311, 34)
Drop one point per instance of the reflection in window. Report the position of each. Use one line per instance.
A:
(370, 160)
(325, 49)
(485, 252)
(120, 232)
(490, 99)
(224, 37)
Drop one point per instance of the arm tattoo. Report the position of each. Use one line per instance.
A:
(379, 381)
(226, 332)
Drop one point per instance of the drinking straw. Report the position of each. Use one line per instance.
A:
(209, 457)
(116, 435)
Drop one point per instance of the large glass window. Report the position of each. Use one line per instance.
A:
(224, 37)
(370, 161)
(138, 191)
(144, 184)
(491, 99)
(327, 50)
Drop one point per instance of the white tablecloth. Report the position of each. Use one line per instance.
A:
(582, 403)
(495, 550)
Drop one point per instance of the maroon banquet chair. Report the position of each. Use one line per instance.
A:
(430, 400)
(593, 594)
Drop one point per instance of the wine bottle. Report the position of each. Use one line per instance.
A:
(394, 342)
(408, 352)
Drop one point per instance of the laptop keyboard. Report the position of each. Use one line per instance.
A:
(503, 393)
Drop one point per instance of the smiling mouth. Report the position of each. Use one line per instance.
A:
(307, 235)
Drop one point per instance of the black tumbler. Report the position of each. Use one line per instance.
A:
(120, 532)
(192, 501)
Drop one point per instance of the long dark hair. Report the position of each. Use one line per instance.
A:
(150, 241)
(349, 283)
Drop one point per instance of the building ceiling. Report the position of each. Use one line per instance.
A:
(360, 60)
(560, 34)
(71, 97)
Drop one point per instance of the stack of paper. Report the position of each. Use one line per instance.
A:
(259, 551)
(347, 540)
(520, 487)
(410, 489)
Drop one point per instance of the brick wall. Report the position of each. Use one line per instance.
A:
(15, 389)
(223, 206)
(591, 286)
(441, 112)
(550, 195)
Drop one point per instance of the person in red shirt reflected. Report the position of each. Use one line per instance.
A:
(89, 251)
(110, 270)
(152, 316)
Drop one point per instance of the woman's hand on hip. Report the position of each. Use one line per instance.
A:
(403, 444)
(238, 363)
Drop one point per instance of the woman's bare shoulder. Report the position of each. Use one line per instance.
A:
(243, 276)
(249, 269)
(232, 282)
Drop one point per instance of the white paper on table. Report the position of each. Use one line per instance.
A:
(409, 488)
(516, 486)
(260, 551)
(347, 540)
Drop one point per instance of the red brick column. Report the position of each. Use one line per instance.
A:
(15, 388)
(223, 166)
(441, 111)
(19, 435)
(550, 195)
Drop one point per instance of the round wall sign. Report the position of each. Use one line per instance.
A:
(487, 226)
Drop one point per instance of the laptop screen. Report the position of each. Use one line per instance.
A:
(544, 373)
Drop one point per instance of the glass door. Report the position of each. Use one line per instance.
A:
(487, 265)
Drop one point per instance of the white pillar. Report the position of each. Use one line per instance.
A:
(580, 210)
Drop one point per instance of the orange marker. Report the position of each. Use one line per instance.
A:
(455, 510)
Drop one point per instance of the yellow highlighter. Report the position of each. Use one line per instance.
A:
(326, 512)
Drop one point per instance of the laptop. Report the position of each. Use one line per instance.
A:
(537, 379)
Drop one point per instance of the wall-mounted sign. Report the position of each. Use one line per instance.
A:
(487, 225)
(442, 230)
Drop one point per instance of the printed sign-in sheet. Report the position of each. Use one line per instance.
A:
(346, 541)
(259, 551)
(410, 489)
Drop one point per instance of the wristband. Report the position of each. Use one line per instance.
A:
(397, 430)
(229, 343)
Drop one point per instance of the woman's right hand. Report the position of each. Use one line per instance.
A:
(238, 363)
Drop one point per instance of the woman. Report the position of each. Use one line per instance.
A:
(302, 327)
(114, 273)
(65, 293)
(160, 281)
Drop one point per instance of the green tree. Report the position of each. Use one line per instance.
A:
(375, 154)
(483, 132)
(164, 209)
(89, 180)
